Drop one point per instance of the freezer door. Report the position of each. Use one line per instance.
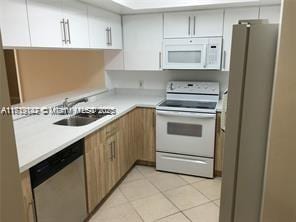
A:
(249, 101)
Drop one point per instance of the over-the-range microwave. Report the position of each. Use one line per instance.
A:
(192, 53)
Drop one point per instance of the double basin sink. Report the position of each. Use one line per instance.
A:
(81, 119)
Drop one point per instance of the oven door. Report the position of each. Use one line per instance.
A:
(185, 133)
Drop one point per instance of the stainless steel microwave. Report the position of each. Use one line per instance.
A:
(192, 53)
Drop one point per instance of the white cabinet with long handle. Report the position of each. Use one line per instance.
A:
(76, 24)
(14, 23)
(177, 24)
(143, 38)
(47, 27)
(193, 24)
(105, 30)
(208, 23)
(232, 16)
(58, 24)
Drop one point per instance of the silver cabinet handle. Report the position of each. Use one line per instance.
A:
(107, 36)
(194, 24)
(110, 33)
(159, 59)
(68, 29)
(224, 59)
(63, 31)
(189, 25)
(111, 149)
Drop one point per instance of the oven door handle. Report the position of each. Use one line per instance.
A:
(186, 114)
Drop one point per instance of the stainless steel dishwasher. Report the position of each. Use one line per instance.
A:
(59, 186)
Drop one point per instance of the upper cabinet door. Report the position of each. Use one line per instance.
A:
(178, 25)
(14, 23)
(232, 16)
(143, 37)
(98, 28)
(115, 31)
(76, 24)
(104, 29)
(45, 19)
(208, 23)
(272, 13)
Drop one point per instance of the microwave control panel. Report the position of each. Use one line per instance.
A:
(214, 51)
(213, 54)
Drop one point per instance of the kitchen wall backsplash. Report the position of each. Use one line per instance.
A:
(159, 79)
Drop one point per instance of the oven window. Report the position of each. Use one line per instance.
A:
(184, 56)
(183, 129)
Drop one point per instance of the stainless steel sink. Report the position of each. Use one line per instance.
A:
(81, 119)
(75, 121)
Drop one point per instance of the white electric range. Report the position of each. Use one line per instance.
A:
(185, 128)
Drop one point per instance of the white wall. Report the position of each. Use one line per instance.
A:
(159, 79)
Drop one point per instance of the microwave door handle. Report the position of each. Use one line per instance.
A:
(205, 56)
(184, 114)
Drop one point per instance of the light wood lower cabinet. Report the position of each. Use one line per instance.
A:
(28, 197)
(219, 146)
(113, 150)
(147, 150)
(96, 167)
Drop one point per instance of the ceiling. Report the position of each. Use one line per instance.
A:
(145, 6)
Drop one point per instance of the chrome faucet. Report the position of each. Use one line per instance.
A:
(66, 106)
(69, 105)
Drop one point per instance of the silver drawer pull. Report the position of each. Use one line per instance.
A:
(185, 160)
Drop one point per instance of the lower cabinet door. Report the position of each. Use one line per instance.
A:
(112, 158)
(95, 166)
(148, 153)
(28, 197)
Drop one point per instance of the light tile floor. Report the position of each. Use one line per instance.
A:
(148, 195)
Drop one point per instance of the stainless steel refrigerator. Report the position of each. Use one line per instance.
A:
(252, 65)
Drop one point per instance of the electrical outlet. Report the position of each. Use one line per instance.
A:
(141, 84)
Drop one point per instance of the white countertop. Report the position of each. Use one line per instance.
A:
(37, 138)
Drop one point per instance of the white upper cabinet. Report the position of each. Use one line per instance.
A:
(115, 31)
(58, 24)
(177, 24)
(45, 19)
(272, 13)
(193, 24)
(14, 23)
(143, 37)
(208, 23)
(76, 24)
(232, 16)
(105, 30)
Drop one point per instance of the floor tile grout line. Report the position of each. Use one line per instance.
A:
(202, 192)
(166, 199)
(186, 216)
(210, 202)
(129, 202)
(158, 219)
(163, 193)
